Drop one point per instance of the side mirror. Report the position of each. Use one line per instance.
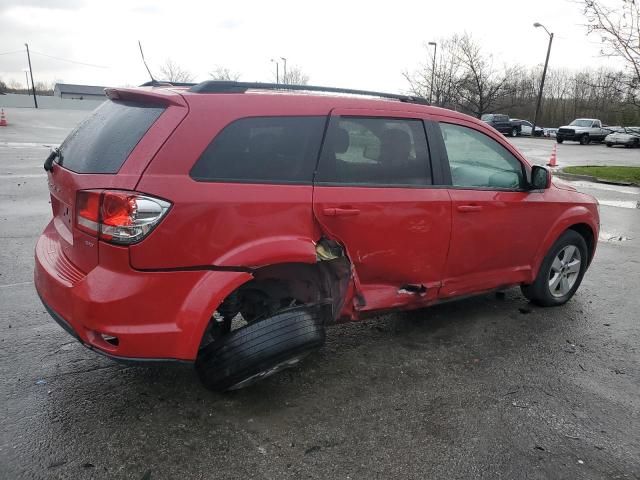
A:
(540, 177)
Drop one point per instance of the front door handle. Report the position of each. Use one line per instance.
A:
(340, 212)
(469, 208)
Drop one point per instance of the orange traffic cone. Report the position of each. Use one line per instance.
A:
(553, 160)
(3, 120)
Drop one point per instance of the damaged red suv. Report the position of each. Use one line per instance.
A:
(227, 224)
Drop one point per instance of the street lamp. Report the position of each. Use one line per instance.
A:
(544, 74)
(433, 69)
(277, 70)
(284, 78)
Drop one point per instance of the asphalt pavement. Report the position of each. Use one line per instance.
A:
(489, 387)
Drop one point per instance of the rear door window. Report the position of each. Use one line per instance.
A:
(375, 151)
(263, 150)
(102, 143)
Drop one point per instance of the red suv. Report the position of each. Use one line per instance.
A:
(227, 223)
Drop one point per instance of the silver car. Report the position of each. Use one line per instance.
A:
(627, 136)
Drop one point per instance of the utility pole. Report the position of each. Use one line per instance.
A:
(544, 74)
(33, 85)
(277, 70)
(284, 78)
(26, 78)
(433, 70)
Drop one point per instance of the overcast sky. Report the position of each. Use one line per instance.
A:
(357, 44)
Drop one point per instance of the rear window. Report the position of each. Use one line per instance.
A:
(263, 150)
(102, 143)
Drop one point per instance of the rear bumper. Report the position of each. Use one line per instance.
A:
(155, 316)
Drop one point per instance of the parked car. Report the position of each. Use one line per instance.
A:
(526, 127)
(550, 132)
(629, 137)
(583, 130)
(502, 123)
(227, 225)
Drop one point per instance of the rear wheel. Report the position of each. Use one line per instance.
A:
(559, 139)
(584, 140)
(561, 271)
(514, 132)
(609, 144)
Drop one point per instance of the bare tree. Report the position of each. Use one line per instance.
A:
(172, 72)
(619, 31)
(295, 76)
(224, 73)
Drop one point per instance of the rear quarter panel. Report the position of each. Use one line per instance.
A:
(225, 224)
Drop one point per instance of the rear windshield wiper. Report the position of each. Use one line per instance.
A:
(48, 163)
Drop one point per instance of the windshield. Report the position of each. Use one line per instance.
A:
(581, 123)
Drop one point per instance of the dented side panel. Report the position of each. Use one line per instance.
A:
(399, 238)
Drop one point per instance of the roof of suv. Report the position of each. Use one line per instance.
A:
(329, 97)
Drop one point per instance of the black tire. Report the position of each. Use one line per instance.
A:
(559, 139)
(260, 349)
(609, 144)
(539, 292)
(514, 132)
(584, 140)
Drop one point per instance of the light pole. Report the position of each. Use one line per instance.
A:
(433, 70)
(277, 70)
(544, 74)
(284, 77)
(26, 78)
(33, 85)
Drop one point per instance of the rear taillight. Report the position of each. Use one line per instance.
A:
(118, 216)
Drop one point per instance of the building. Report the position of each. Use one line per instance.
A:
(79, 92)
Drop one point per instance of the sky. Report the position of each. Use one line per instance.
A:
(351, 44)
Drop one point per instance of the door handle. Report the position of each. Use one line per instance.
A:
(469, 208)
(340, 212)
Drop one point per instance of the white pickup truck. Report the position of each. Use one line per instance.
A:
(583, 130)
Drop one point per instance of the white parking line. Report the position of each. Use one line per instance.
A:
(25, 175)
(620, 203)
(19, 284)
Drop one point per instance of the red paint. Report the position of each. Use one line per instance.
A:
(158, 296)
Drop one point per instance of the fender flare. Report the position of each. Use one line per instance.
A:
(578, 214)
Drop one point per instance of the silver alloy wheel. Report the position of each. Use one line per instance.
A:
(564, 271)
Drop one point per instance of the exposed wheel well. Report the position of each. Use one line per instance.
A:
(586, 232)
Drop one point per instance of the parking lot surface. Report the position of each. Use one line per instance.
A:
(489, 387)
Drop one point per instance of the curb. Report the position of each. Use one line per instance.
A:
(572, 176)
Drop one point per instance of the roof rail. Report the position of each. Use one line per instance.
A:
(217, 86)
(166, 83)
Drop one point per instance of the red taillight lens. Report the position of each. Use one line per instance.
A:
(118, 216)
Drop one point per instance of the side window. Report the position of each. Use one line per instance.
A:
(596, 124)
(476, 160)
(375, 151)
(263, 149)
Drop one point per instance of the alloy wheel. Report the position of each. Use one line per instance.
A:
(564, 271)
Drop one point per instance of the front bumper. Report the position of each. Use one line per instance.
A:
(154, 315)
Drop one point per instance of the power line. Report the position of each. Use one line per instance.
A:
(69, 61)
(15, 51)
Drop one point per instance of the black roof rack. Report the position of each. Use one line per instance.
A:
(217, 86)
(166, 83)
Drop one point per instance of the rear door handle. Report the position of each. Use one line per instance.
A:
(340, 212)
(469, 208)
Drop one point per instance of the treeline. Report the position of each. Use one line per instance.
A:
(42, 88)
(467, 79)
